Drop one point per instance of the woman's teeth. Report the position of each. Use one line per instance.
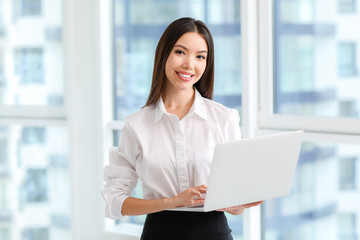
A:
(184, 75)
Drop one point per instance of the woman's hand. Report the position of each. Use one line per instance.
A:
(237, 210)
(191, 196)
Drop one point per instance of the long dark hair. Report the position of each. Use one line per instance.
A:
(172, 33)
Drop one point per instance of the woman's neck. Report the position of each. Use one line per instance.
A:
(179, 102)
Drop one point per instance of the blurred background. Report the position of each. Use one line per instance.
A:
(68, 68)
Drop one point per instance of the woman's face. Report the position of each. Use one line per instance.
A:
(186, 62)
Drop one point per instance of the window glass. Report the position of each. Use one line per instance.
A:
(30, 7)
(347, 173)
(347, 59)
(35, 234)
(347, 6)
(4, 233)
(29, 65)
(163, 11)
(347, 224)
(2, 73)
(34, 183)
(316, 59)
(31, 53)
(317, 207)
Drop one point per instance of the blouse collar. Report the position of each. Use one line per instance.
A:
(197, 108)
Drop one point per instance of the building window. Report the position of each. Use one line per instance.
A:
(29, 65)
(3, 152)
(33, 135)
(347, 108)
(2, 67)
(347, 226)
(30, 7)
(36, 186)
(5, 233)
(347, 174)
(347, 6)
(309, 60)
(347, 59)
(36, 182)
(36, 234)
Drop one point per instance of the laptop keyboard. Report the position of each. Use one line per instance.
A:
(197, 206)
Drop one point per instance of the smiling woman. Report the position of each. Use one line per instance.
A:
(159, 141)
(138, 26)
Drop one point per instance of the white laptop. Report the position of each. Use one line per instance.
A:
(251, 170)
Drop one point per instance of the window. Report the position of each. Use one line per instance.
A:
(136, 33)
(35, 186)
(3, 152)
(347, 6)
(347, 60)
(347, 108)
(304, 57)
(2, 31)
(32, 74)
(30, 7)
(35, 234)
(302, 86)
(4, 233)
(347, 224)
(33, 135)
(29, 65)
(34, 160)
(304, 53)
(2, 73)
(347, 173)
(311, 210)
(302, 67)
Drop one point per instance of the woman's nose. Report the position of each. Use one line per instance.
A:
(188, 63)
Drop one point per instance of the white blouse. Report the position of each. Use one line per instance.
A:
(166, 154)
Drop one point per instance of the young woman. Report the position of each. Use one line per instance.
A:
(168, 144)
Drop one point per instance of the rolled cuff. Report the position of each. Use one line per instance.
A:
(113, 210)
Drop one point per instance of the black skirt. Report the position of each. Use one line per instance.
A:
(178, 225)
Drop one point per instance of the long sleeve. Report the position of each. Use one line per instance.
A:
(120, 175)
(232, 128)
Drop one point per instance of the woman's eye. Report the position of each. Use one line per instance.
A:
(179, 52)
(201, 57)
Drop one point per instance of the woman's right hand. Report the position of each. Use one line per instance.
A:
(191, 196)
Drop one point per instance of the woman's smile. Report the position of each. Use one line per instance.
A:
(185, 76)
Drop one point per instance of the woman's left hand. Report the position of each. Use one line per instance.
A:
(237, 210)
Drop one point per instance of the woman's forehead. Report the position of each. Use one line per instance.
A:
(192, 41)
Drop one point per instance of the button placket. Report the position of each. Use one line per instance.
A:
(183, 177)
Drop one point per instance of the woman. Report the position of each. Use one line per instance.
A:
(168, 144)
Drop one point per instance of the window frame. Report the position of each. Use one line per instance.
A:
(267, 118)
(323, 129)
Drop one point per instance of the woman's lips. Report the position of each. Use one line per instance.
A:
(185, 76)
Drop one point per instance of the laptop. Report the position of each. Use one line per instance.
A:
(251, 170)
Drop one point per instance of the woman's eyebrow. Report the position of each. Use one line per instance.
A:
(181, 46)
